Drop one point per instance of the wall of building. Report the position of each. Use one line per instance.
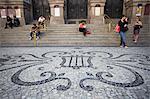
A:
(134, 8)
(19, 8)
(23, 10)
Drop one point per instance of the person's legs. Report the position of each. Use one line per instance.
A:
(37, 35)
(16, 24)
(123, 37)
(137, 35)
(121, 41)
(136, 38)
(84, 31)
(11, 25)
(31, 35)
(80, 29)
(6, 25)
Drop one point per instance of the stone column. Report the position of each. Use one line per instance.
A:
(134, 8)
(22, 18)
(57, 11)
(14, 5)
(96, 11)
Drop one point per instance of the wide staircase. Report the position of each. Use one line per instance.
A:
(68, 35)
(60, 35)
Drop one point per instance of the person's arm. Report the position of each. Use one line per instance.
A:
(80, 25)
(120, 24)
(31, 30)
(39, 19)
(140, 23)
(84, 26)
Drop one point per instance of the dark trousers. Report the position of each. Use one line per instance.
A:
(16, 24)
(37, 34)
(10, 24)
(84, 30)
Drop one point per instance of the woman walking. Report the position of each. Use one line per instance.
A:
(136, 31)
(123, 28)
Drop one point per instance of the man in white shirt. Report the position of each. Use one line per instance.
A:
(41, 21)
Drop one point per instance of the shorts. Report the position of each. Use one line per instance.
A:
(136, 31)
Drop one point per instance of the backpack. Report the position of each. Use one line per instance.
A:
(117, 28)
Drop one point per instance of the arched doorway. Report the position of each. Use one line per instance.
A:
(114, 8)
(40, 7)
(76, 9)
(147, 9)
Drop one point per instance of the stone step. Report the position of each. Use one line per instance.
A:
(44, 40)
(73, 34)
(75, 44)
(68, 35)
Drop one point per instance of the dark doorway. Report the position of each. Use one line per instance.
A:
(40, 7)
(77, 9)
(147, 9)
(114, 8)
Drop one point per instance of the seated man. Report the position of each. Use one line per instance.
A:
(34, 29)
(16, 21)
(41, 21)
(9, 22)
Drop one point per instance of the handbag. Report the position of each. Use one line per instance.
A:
(117, 28)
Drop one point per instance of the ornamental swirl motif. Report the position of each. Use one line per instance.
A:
(75, 60)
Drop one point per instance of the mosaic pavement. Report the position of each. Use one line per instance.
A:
(74, 73)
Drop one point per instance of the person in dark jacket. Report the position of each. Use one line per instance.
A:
(123, 23)
(9, 22)
(16, 21)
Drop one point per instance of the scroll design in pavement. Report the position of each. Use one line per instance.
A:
(74, 60)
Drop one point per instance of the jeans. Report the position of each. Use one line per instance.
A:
(122, 39)
(37, 34)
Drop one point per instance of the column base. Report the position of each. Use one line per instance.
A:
(97, 20)
(56, 20)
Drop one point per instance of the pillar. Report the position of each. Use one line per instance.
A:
(57, 11)
(134, 8)
(96, 11)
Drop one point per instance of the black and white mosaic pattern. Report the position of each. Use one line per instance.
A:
(74, 73)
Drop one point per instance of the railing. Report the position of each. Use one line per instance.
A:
(110, 22)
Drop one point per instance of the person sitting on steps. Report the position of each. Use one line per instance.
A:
(82, 28)
(9, 22)
(16, 22)
(34, 29)
(41, 21)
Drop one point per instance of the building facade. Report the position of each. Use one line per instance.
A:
(19, 8)
(71, 11)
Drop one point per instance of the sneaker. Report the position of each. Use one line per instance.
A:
(121, 46)
(126, 47)
(37, 38)
(135, 41)
(30, 38)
